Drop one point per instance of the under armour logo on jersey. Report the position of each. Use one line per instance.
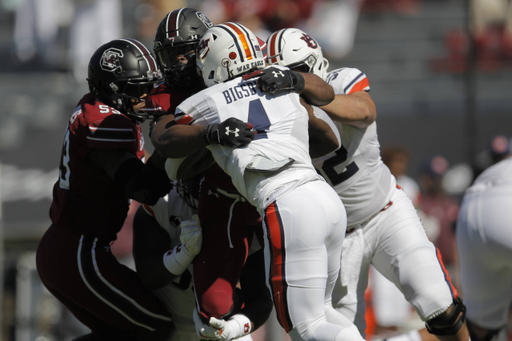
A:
(246, 328)
(235, 132)
(278, 74)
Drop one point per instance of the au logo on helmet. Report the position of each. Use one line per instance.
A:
(203, 48)
(110, 59)
(309, 40)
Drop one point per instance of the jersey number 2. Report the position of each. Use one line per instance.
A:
(329, 167)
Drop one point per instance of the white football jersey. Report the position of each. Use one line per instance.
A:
(282, 125)
(356, 170)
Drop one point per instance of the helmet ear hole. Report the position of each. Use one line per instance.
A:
(211, 75)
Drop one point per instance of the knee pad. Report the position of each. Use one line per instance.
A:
(448, 324)
(492, 334)
(216, 305)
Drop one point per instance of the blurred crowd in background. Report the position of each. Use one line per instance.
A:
(60, 36)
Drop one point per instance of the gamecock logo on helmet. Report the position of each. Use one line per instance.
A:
(110, 59)
(309, 40)
(204, 19)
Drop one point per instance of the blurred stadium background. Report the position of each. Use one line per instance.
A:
(438, 91)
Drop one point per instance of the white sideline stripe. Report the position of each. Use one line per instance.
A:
(98, 295)
(141, 308)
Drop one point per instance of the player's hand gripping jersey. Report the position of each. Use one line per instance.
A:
(281, 142)
(356, 170)
(85, 198)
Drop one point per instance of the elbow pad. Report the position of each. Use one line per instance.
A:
(142, 182)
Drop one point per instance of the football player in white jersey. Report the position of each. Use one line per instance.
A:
(484, 245)
(172, 224)
(383, 226)
(304, 219)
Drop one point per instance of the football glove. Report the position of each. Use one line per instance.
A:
(218, 329)
(230, 133)
(273, 80)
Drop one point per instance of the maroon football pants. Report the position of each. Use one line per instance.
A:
(228, 225)
(106, 296)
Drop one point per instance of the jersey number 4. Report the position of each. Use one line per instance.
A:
(259, 119)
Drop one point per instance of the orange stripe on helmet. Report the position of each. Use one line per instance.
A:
(361, 85)
(277, 280)
(246, 44)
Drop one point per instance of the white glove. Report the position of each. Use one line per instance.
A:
(218, 329)
(191, 236)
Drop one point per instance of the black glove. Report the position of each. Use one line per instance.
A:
(273, 79)
(230, 133)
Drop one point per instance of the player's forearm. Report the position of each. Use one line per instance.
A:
(175, 141)
(357, 109)
(316, 91)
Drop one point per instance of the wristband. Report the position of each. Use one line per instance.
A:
(176, 260)
(243, 325)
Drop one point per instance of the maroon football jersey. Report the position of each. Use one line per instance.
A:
(85, 198)
(165, 99)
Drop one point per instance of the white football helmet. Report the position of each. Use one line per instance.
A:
(297, 50)
(226, 51)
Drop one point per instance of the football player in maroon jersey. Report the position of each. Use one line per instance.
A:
(226, 218)
(101, 168)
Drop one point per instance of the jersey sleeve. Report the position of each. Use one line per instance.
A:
(346, 81)
(196, 110)
(158, 102)
(112, 132)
